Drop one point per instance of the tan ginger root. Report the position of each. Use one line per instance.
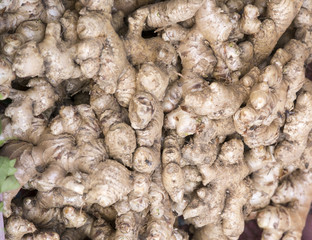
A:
(104, 181)
(48, 235)
(274, 26)
(69, 25)
(174, 33)
(266, 172)
(161, 219)
(126, 87)
(153, 80)
(106, 108)
(159, 222)
(216, 19)
(30, 32)
(107, 62)
(60, 152)
(25, 111)
(57, 57)
(25, 170)
(129, 6)
(210, 19)
(220, 205)
(52, 57)
(182, 120)
(68, 217)
(259, 121)
(296, 130)
(30, 51)
(58, 198)
(17, 227)
(203, 147)
(157, 50)
(172, 96)
(147, 159)
(127, 226)
(138, 198)
(283, 220)
(16, 12)
(120, 138)
(21, 43)
(249, 23)
(187, 123)
(146, 117)
(294, 72)
(93, 228)
(92, 121)
(104, 176)
(172, 173)
(120, 141)
(213, 101)
(303, 23)
(7, 75)
(197, 60)
(122, 206)
(98, 181)
(53, 218)
(95, 65)
(305, 159)
(166, 13)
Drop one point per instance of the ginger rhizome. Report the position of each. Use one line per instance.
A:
(292, 203)
(130, 118)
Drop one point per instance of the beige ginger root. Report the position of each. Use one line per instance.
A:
(265, 175)
(146, 117)
(23, 226)
(26, 108)
(121, 143)
(16, 12)
(172, 174)
(216, 106)
(287, 220)
(296, 131)
(48, 235)
(68, 217)
(259, 121)
(205, 207)
(52, 147)
(134, 117)
(203, 147)
(138, 198)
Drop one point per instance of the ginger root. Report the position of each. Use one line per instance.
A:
(278, 220)
(129, 119)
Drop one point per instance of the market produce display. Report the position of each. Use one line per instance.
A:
(136, 119)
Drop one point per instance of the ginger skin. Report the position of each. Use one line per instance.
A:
(277, 220)
(128, 119)
(172, 175)
(202, 210)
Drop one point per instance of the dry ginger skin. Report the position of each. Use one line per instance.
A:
(127, 118)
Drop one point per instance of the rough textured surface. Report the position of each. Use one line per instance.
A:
(132, 118)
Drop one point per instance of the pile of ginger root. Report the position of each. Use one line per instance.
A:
(129, 119)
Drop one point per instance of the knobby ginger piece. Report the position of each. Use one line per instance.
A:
(121, 143)
(172, 174)
(17, 227)
(216, 205)
(94, 140)
(296, 130)
(104, 188)
(287, 220)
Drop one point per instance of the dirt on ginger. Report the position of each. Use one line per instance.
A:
(131, 119)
